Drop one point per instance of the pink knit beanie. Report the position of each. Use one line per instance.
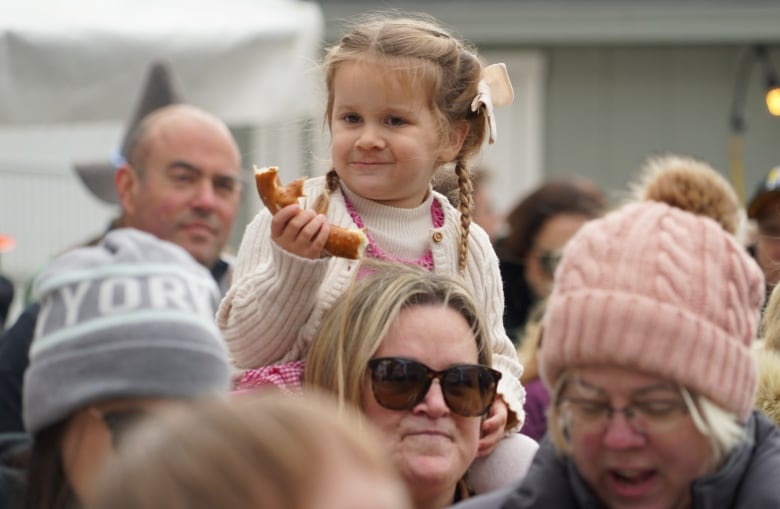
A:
(662, 290)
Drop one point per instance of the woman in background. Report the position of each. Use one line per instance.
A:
(539, 227)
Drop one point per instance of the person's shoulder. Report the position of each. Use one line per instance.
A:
(766, 436)
(758, 486)
(478, 241)
(443, 199)
(22, 329)
(545, 485)
(480, 234)
(12, 444)
(222, 271)
(492, 500)
(14, 454)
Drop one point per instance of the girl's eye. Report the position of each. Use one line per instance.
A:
(395, 121)
(351, 118)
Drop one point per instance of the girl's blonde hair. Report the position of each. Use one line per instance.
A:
(721, 427)
(358, 322)
(264, 450)
(438, 66)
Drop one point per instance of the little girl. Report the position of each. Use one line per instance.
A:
(404, 98)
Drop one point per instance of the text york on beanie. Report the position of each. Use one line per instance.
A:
(93, 299)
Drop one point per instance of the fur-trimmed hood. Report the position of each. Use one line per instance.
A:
(768, 391)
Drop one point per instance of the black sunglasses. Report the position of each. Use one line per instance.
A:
(118, 421)
(400, 384)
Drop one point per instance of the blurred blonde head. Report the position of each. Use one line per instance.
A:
(260, 451)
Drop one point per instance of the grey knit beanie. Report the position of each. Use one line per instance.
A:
(130, 317)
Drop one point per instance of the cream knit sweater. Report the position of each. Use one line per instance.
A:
(277, 300)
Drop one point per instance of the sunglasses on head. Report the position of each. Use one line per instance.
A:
(400, 384)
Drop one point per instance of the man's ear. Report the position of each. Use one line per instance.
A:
(452, 146)
(126, 182)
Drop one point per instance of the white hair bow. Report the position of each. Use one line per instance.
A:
(494, 89)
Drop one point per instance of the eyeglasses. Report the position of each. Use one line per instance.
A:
(650, 417)
(400, 384)
(118, 422)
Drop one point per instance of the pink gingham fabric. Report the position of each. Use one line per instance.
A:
(287, 377)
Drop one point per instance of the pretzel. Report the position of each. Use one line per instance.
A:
(342, 242)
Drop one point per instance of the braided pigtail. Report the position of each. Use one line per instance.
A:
(465, 203)
(332, 181)
(331, 184)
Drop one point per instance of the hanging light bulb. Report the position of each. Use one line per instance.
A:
(772, 84)
(773, 98)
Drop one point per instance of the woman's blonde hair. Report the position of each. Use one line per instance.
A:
(358, 322)
(264, 450)
(721, 427)
(770, 321)
(435, 64)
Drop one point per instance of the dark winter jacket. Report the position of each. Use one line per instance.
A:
(748, 479)
(14, 451)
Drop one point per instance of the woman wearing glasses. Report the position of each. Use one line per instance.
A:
(647, 351)
(409, 348)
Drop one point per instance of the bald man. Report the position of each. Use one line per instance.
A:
(181, 183)
(182, 180)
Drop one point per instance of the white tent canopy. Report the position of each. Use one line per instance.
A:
(72, 71)
(247, 61)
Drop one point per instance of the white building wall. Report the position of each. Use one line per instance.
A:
(43, 203)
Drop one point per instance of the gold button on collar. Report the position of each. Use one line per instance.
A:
(437, 236)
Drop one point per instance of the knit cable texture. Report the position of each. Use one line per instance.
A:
(661, 290)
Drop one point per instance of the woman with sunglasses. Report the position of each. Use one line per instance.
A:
(126, 328)
(647, 350)
(409, 348)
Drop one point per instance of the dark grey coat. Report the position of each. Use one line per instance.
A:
(749, 479)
